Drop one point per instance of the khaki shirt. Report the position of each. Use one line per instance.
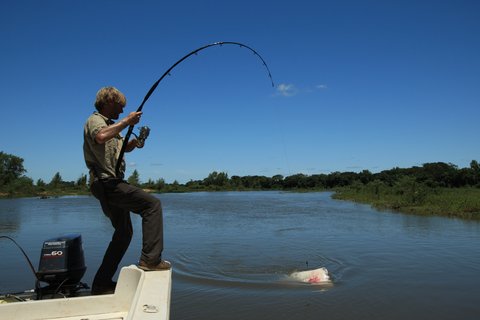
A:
(101, 159)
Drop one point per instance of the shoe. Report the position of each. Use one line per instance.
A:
(163, 265)
(108, 288)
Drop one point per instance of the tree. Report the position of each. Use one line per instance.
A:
(365, 176)
(56, 180)
(11, 168)
(194, 185)
(134, 179)
(298, 180)
(160, 184)
(23, 186)
(150, 184)
(475, 168)
(40, 185)
(236, 182)
(277, 180)
(255, 182)
(82, 181)
(334, 179)
(439, 174)
(216, 179)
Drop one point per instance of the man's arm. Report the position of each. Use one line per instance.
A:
(109, 132)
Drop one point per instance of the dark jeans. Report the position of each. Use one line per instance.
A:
(118, 199)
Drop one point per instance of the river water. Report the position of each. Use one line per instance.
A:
(232, 254)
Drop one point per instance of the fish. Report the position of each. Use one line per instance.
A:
(319, 275)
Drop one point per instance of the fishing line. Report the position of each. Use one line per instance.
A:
(285, 154)
(279, 117)
(154, 86)
(24, 254)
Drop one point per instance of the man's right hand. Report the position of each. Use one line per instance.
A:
(109, 132)
(133, 118)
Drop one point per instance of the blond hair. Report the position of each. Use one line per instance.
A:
(108, 95)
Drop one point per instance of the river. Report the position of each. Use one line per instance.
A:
(232, 254)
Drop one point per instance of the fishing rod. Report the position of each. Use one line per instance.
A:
(154, 86)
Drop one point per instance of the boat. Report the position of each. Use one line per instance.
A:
(139, 295)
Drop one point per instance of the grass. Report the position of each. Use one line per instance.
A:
(452, 202)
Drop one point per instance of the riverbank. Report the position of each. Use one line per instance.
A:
(451, 202)
(413, 199)
(44, 194)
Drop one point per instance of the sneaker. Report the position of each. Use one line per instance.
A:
(163, 265)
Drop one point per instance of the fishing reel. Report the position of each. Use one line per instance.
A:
(142, 136)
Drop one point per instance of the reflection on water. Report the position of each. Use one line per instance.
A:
(233, 252)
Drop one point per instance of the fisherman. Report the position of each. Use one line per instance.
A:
(101, 149)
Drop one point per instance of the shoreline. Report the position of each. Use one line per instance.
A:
(454, 203)
(463, 203)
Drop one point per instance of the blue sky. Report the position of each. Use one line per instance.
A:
(359, 84)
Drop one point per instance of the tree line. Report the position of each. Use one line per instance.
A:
(14, 182)
(432, 175)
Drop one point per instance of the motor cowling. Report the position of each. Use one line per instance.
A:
(62, 261)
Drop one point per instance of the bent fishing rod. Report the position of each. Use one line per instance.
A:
(152, 89)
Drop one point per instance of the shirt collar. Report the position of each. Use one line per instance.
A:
(107, 121)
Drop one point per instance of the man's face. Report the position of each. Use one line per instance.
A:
(113, 110)
(117, 110)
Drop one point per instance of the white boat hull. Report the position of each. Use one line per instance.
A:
(139, 295)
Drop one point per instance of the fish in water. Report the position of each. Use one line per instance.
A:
(319, 275)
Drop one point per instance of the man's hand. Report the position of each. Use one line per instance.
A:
(142, 136)
(109, 132)
(132, 119)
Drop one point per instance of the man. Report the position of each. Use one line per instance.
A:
(101, 148)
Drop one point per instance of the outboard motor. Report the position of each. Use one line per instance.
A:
(62, 266)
